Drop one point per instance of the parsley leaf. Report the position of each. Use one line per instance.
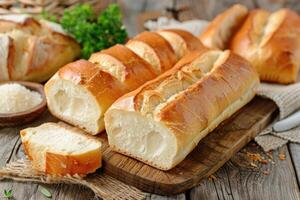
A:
(8, 194)
(93, 32)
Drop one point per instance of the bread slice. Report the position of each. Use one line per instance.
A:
(155, 49)
(59, 149)
(181, 41)
(162, 121)
(219, 32)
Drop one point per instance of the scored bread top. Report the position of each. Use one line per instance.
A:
(155, 49)
(185, 97)
(104, 87)
(35, 45)
(124, 65)
(220, 30)
(270, 44)
(181, 41)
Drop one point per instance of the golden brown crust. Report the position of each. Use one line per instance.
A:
(105, 88)
(161, 47)
(227, 81)
(186, 102)
(137, 71)
(218, 33)
(271, 43)
(72, 164)
(47, 49)
(192, 42)
(63, 163)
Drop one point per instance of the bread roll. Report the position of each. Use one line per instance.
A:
(37, 48)
(270, 41)
(81, 92)
(154, 49)
(218, 33)
(181, 41)
(162, 121)
(59, 149)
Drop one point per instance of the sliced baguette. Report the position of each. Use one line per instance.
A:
(162, 121)
(181, 41)
(59, 149)
(155, 49)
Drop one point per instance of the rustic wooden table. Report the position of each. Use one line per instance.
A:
(237, 179)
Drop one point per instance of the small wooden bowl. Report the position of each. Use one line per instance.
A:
(12, 119)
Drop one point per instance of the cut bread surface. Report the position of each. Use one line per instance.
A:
(82, 91)
(163, 120)
(59, 149)
(75, 104)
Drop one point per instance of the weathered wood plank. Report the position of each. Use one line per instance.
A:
(237, 179)
(295, 155)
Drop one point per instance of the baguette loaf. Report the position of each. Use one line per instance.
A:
(270, 41)
(33, 50)
(162, 121)
(59, 149)
(81, 92)
(218, 33)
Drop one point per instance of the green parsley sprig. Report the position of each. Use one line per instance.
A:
(8, 194)
(93, 32)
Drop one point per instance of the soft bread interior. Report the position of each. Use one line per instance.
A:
(142, 138)
(177, 42)
(4, 57)
(58, 139)
(147, 53)
(145, 139)
(74, 104)
(144, 134)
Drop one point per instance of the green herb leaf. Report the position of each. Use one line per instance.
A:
(8, 194)
(94, 32)
(46, 192)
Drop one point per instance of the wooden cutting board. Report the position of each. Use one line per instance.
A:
(210, 154)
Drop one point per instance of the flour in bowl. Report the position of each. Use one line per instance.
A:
(17, 98)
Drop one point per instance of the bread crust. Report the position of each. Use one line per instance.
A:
(100, 84)
(219, 32)
(182, 41)
(62, 164)
(194, 111)
(271, 43)
(46, 50)
(136, 70)
(161, 46)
